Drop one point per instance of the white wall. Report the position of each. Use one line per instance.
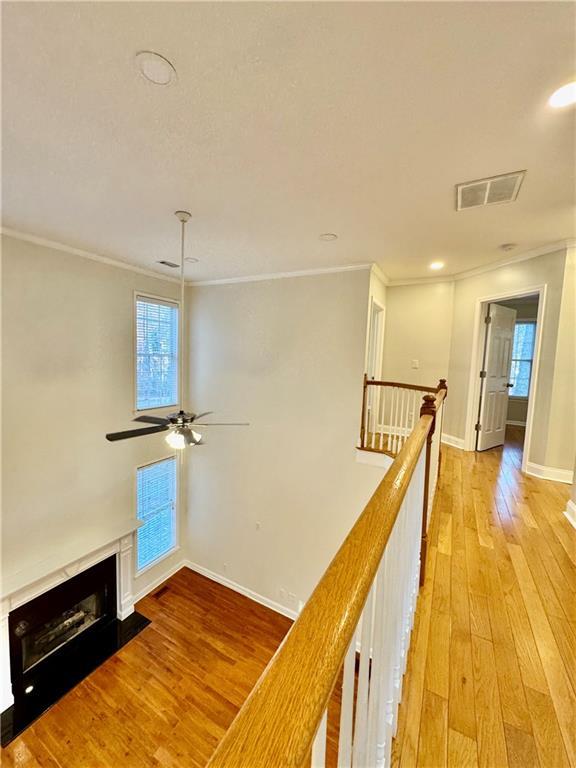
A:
(67, 333)
(270, 504)
(561, 444)
(418, 327)
(548, 270)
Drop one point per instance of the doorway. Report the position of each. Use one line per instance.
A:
(504, 372)
(375, 345)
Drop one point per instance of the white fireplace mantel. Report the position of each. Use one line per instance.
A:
(83, 552)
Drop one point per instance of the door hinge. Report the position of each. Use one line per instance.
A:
(478, 427)
(487, 319)
(482, 374)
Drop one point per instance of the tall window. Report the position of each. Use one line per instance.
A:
(156, 489)
(156, 353)
(522, 356)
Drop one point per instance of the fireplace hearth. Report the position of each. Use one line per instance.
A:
(61, 636)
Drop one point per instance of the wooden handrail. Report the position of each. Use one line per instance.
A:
(417, 387)
(277, 723)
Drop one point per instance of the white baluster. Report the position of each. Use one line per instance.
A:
(360, 730)
(396, 421)
(347, 706)
(376, 698)
(319, 745)
(382, 417)
(391, 418)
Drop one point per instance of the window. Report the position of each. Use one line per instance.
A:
(522, 355)
(156, 489)
(156, 353)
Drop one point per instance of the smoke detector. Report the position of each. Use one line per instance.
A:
(493, 190)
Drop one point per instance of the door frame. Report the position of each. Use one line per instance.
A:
(378, 335)
(478, 337)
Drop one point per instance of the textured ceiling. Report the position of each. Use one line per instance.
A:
(287, 120)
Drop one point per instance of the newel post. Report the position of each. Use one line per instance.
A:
(362, 423)
(441, 385)
(428, 408)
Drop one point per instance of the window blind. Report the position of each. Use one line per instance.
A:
(522, 355)
(156, 506)
(156, 353)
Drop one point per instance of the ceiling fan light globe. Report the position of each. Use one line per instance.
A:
(196, 437)
(176, 439)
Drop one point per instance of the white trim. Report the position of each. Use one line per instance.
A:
(549, 473)
(531, 254)
(274, 606)
(421, 281)
(570, 512)
(159, 580)
(374, 458)
(57, 246)
(137, 572)
(166, 302)
(476, 365)
(516, 423)
(113, 262)
(455, 442)
(216, 577)
(281, 275)
(377, 272)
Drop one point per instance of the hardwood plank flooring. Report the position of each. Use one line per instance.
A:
(167, 697)
(491, 676)
(505, 577)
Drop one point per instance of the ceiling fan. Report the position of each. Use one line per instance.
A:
(178, 425)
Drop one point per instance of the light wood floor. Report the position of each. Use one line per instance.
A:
(492, 670)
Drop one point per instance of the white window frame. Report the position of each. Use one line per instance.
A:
(524, 398)
(161, 300)
(176, 547)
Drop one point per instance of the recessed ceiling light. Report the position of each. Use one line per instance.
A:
(327, 236)
(191, 259)
(155, 68)
(564, 96)
(437, 265)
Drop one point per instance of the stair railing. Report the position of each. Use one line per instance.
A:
(390, 411)
(365, 603)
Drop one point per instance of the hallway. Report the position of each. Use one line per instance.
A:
(491, 677)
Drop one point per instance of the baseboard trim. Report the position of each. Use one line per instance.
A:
(570, 512)
(516, 423)
(455, 442)
(550, 473)
(274, 606)
(158, 580)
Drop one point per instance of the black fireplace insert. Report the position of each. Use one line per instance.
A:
(60, 637)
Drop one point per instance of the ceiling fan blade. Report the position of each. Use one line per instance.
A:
(223, 424)
(152, 420)
(112, 436)
(201, 415)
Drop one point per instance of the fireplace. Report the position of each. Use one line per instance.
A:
(61, 636)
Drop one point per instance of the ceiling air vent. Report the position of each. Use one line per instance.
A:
(168, 264)
(491, 191)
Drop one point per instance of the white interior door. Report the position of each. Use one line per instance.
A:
(496, 381)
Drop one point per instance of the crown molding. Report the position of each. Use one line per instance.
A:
(280, 275)
(377, 271)
(57, 246)
(531, 254)
(374, 267)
